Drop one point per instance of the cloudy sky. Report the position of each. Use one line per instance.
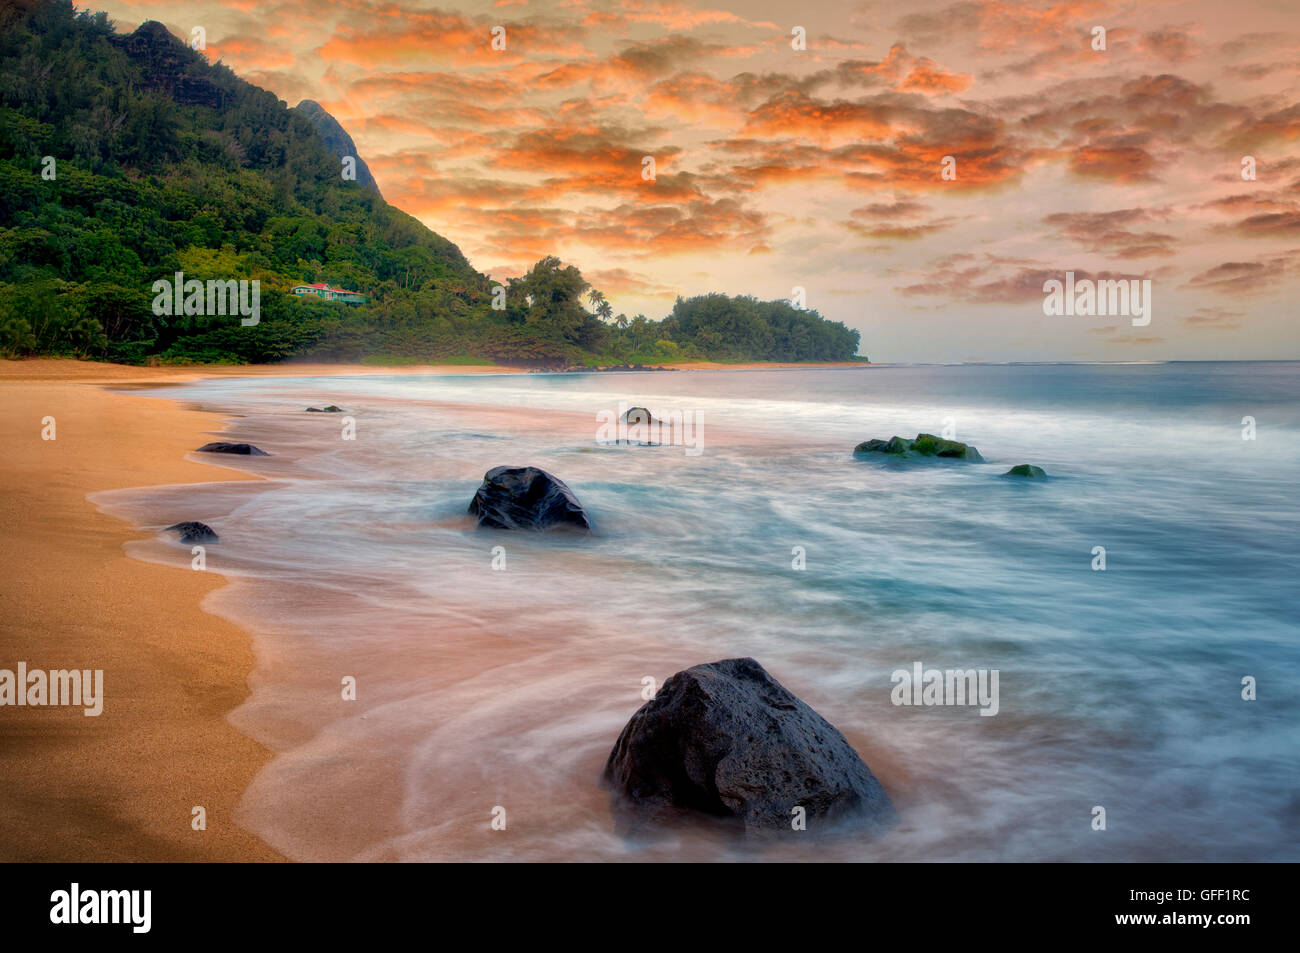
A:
(822, 168)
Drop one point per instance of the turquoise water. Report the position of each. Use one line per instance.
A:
(482, 687)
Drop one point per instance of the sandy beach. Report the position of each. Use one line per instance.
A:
(482, 688)
(123, 785)
(120, 786)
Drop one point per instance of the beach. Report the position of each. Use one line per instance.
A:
(494, 670)
(123, 785)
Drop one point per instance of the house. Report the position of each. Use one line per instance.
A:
(322, 290)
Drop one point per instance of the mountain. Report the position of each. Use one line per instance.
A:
(336, 138)
(126, 158)
(165, 65)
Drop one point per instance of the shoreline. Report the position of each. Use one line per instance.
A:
(454, 670)
(121, 786)
(68, 369)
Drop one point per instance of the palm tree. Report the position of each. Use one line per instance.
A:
(604, 310)
(639, 326)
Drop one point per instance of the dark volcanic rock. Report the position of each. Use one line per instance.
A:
(247, 449)
(194, 532)
(526, 498)
(726, 739)
(331, 409)
(1026, 470)
(638, 415)
(925, 444)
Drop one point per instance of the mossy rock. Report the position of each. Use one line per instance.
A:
(932, 446)
(893, 445)
(926, 444)
(1026, 470)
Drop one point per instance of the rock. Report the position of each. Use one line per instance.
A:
(194, 532)
(1026, 470)
(526, 498)
(893, 445)
(932, 446)
(726, 739)
(247, 449)
(925, 444)
(331, 409)
(637, 415)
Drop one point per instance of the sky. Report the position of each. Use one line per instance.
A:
(803, 145)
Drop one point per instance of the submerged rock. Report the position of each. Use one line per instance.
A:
(925, 444)
(728, 740)
(893, 445)
(195, 532)
(932, 446)
(247, 449)
(331, 409)
(526, 498)
(1026, 470)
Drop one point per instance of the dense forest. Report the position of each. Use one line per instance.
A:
(127, 158)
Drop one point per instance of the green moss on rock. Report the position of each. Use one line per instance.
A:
(893, 445)
(1026, 470)
(926, 444)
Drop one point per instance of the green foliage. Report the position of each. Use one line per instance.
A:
(746, 329)
(165, 163)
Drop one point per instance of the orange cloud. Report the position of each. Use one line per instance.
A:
(928, 78)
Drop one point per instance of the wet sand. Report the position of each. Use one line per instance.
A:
(123, 785)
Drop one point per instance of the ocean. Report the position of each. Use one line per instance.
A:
(493, 671)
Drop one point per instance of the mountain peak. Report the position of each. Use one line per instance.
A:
(171, 67)
(155, 32)
(336, 138)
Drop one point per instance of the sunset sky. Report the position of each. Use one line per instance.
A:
(821, 168)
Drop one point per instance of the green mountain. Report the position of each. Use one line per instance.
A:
(125, 159)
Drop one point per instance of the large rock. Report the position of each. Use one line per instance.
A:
(637, 415)
(925, 444)
(726, 739)
(526, 498)
(247, 449)
(331, 409)
(1027, 470)
(193, 531)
